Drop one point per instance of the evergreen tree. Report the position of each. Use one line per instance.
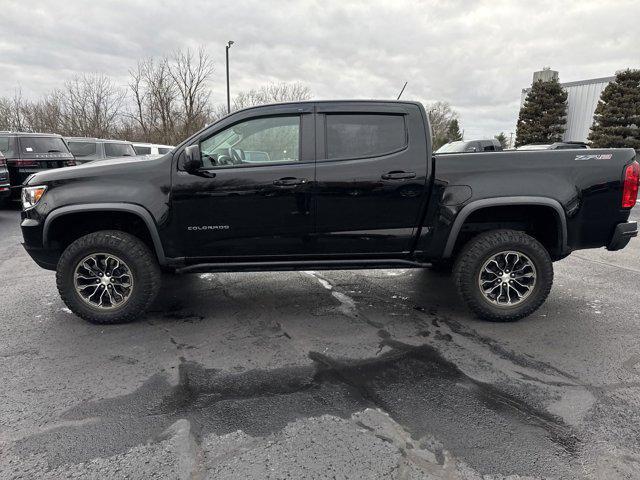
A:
(502, 138)
(453, 132)
(616, 122)
(543, 116)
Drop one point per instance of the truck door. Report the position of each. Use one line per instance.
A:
(253, 197)
(371, 177)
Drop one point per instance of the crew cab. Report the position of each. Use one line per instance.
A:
(329, 185)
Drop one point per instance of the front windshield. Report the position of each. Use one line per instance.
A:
(453, 147)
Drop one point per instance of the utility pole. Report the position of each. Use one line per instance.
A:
(510, 139)
(229, 43)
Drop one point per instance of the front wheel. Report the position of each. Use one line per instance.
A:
(108, 277)
(503, 275)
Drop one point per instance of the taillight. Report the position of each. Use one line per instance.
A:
(24, 163)
(630, 185)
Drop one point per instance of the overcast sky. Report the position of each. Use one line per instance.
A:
(477, 55)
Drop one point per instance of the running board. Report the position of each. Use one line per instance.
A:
(300, 265)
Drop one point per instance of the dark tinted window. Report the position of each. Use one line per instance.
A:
(162, 150)
(142, 150)
(364, 135)
(119, 150)
(82, 149)
(42, 145)
(8, 147)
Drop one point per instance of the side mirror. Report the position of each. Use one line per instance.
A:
(192, 159)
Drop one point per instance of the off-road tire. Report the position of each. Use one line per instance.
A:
(140, 260)
(478, 250)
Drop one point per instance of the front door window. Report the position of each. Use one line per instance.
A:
(259, 141)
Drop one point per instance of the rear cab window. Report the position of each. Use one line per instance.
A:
(113, 150)
(355, 135)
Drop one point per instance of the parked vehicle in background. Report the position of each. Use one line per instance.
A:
(5, 187)
(29, 153)
(554, 146)
(471, 146)
(337, 185)
(151, 148)
(89, 149)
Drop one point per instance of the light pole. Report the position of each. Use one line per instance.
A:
(229, 43)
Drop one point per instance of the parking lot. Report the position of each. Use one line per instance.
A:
(336, 374)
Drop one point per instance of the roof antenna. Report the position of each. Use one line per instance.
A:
(401, 91)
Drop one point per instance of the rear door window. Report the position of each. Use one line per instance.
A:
(119, 150)
(364, 135)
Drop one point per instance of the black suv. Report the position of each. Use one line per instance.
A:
(29, 153)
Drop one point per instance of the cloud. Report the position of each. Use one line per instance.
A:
(477, 55)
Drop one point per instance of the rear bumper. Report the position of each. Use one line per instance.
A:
(622, 234)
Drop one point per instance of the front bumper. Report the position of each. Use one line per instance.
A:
(32, 234)
(623, 233)
(45, 258)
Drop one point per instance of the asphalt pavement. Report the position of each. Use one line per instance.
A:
(332, 374)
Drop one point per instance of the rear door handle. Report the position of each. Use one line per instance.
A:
(398, 175)
(289, 181)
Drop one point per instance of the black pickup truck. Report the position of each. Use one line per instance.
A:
(325, 185)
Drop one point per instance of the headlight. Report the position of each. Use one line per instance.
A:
(32, 195)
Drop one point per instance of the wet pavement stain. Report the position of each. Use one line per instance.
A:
(492, 431)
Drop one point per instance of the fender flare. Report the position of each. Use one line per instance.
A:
(137, 210)
(505, 201)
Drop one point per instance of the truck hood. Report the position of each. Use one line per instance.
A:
(114, 166)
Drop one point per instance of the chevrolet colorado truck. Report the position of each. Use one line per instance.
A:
(328, 185)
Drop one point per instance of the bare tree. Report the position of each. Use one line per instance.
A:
(270, 93)
(93, 106)
(440, 116)
(190, 72)
(6, 114)
(47, 114)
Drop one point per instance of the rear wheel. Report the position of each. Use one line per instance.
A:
(503, 275)
(108, 277)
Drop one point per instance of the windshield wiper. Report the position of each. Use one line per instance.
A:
(54, 151)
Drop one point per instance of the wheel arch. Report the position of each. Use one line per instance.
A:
(129, 208)
(488, 203)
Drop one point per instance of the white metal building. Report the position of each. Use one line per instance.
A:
(582, 100)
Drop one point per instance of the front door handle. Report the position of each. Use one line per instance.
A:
(289, 181)
(398, 175)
